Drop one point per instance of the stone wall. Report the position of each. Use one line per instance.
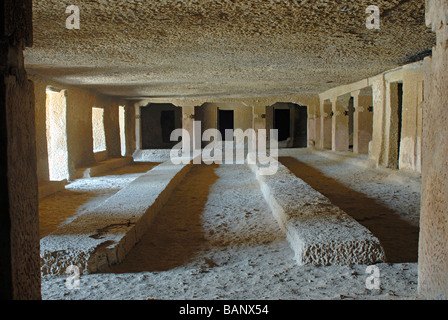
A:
(411, 77)
(378, 133)
(433, 244)
(79, 104)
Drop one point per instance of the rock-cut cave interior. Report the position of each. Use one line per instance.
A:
(224, 150)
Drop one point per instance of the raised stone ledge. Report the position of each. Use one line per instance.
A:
(319, 232)
(102, 167)
(102, 236)
(152, 155)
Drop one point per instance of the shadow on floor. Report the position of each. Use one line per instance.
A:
(176, 233)
(398, 238)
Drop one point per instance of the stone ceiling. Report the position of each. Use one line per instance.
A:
(215, 49)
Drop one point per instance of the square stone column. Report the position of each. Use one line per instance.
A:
(259, 117)
(138, 128)
(376, 150)
(317, 124)
(20, 274)
(313, 125)
(340, 134)
(433, 244)
(193, 140)
(325, 125)
(363, 121)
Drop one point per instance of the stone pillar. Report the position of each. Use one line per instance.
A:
(313, 127)
(79, 129)
(259, 121)
(433, 242)
(19, 217)
(138, 128)
(325, 125)
(340, 134)
(363, 120)
(112, 130)
(259, 117)
(131, 134)
(188, 124)
(317, 130)
(411, 120)
(376, 147)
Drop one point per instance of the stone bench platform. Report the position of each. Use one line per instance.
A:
(319, 232)
(102, 167)
(103, 235)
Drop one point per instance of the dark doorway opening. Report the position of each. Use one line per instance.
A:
(282, 122)
(167, 121)
(146, 128)
(400, 120)
(300, 126)
(225, 122)
(158, 121)
(351, 122)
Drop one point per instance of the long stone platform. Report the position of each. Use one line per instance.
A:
(319, 232)
(103, 235)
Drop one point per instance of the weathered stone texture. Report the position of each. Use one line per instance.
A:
(103, 235)
(216, 49)
(319, 232)
(19, 222)
(433, 244)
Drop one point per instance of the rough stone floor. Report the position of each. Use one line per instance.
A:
(217, 239)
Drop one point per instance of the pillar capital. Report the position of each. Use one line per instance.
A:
(355, 93)
(188, 112)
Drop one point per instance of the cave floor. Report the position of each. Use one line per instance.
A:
(216, 237)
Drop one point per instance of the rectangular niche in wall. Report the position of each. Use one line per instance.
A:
(99, 135)
(56, 127)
